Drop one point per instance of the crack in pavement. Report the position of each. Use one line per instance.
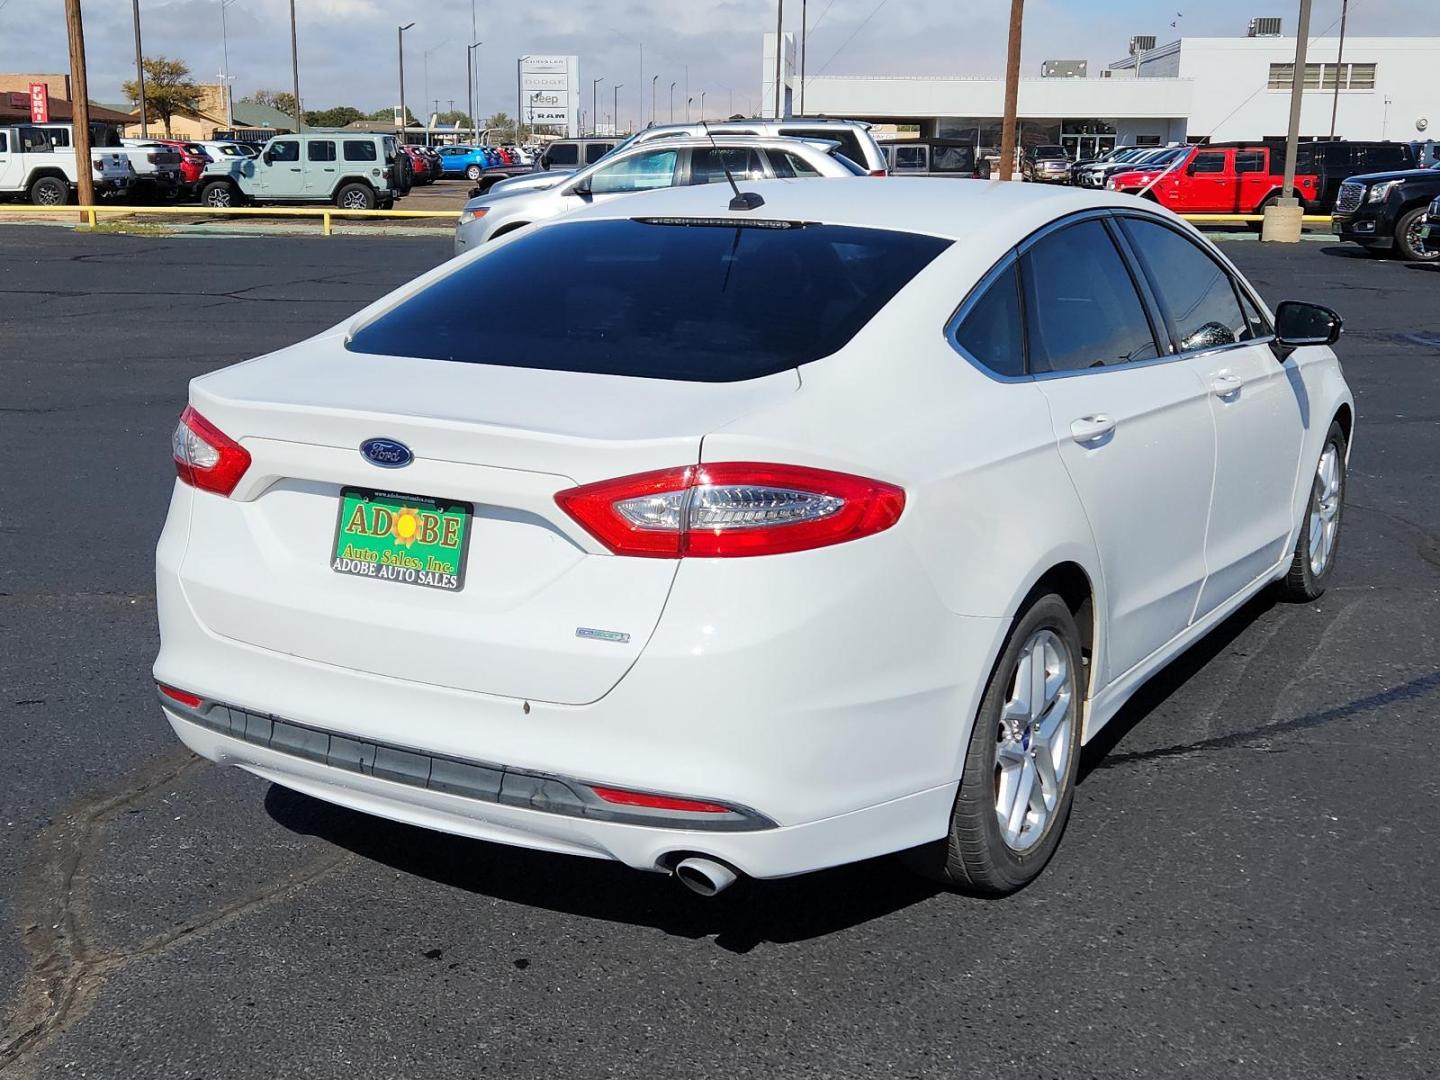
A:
(66, 969)
(1406, 691)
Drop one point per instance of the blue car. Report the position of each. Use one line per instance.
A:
(468, 161)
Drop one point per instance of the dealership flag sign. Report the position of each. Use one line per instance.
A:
(39, 103)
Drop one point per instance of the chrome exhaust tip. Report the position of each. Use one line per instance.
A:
(705, 877)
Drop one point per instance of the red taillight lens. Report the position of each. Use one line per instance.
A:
(184, 697)
(732, 509)
(658, 802)
(205, 457)
(878, 172)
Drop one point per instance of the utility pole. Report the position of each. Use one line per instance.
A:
(140, 72)
(1012, 91)
(615, 108)
(804, 30)
(1339, 56)
(1297, 94)
(295, 70)
(1282, 218)
(404, 116)
(779, 54)
(519, 92)
(80, 105)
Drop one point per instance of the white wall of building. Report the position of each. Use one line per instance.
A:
(1231, 100)
(787, 77)
(926, 97)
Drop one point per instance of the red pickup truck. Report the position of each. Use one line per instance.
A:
(1216, 180)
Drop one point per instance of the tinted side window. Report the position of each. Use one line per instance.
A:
(320, 150)
(991, 331)
(1195, 291)
(789, 166)
(595, 151)
(4, 143)
(1382, 157)
(1248, 161)
(909, 157)
(360, 150)
(1081, 307)
(706, 164)
(563, 154)
(1209, 163)
(285, 150)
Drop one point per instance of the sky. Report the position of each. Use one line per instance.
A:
(348, 47)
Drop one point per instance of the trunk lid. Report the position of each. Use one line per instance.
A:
(543, 613)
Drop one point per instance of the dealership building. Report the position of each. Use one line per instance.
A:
(1188, 90)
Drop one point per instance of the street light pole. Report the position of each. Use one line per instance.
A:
(1012, 91)
(140, 71)
(225, 66)
(803, 30)
(470, 90)
(1297, 88)
(615, 108)
(688, 102)
(702, 105)
(654, 82)
(400, 37)
(295, 71)
(672, 103)
(594, 100)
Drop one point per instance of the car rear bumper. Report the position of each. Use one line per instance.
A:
(828, 697)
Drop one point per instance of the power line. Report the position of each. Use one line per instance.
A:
(851, 38)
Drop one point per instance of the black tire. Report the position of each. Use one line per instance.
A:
(220, 194)
(355, 197)
(975, 857)
(50, 191)
(1303, 582)
(472, 172)
(1407, 238)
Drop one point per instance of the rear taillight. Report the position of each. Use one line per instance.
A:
(152, 158)
(878, 172)
(205, 457)
(99, 165)
(731, 509)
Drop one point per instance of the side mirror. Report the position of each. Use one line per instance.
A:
(268, 158)
(1298, 323)
(581, 188)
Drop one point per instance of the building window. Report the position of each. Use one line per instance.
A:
(1324, 76)
(1147, 140)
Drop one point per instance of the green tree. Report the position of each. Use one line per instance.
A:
(504, 129)
(454, 116)
(275, 99)
(168, 89)
(338, 116)
(389, 114)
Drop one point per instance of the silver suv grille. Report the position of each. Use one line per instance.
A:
(1348, 201)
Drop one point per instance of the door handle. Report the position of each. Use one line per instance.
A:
(1089, 429)
(1226, 386)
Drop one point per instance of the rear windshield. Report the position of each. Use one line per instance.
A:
(692, 302)
(849, 142)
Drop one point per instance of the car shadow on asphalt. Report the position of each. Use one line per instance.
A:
(748, 914)
(1158, 689)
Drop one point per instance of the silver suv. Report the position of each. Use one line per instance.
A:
(644, 166)
(854, 137)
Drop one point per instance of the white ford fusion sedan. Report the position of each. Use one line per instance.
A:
(760, 540)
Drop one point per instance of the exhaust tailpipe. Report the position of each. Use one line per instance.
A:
(704, 876)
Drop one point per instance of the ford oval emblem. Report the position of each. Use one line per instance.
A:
(387, 453)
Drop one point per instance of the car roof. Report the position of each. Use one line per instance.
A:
(938, 206)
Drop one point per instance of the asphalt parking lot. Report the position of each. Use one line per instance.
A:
(1250, 885)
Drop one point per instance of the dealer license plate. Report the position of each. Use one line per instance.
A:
(410, 539)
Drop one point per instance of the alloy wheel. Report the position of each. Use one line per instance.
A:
(354, 200)
(50, 195)
(1325, 510)
(1032, 740)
